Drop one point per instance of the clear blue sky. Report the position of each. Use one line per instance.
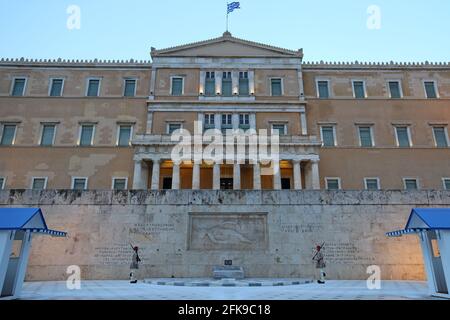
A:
(411, 30)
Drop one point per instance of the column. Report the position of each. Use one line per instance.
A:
(237, 176)
(149, 128)
(235, 82)
(202, 82)
(303, 123)
(176, 176)
(276, 175)
(235, 121)
(256, 176)
(251, 82)
(315, 174)
(218, 80)
(218, 121)
(216, 176)
(252, 119)
(297, 175)
(196, 176)
(137, 176)
(155, 174)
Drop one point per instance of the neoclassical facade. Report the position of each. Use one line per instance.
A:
(108, 124)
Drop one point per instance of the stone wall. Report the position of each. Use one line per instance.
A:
(186, 233)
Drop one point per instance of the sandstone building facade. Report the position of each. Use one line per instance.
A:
(106, 124)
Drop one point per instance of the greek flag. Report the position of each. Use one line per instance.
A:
(232, 6)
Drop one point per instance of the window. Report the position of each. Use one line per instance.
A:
(8, 135)
(359, 92)
(130, 88)
(322, 89)
(79, 183)
(210, 83)
(39, 183)
(410, 184)
(365, 136)
(403, 137)
(445, 181)
(395, 91)
(227, 122)
(227, 84)
(172, 127)
(177, 86)
(86, 135)
(167, 183)
(279, 128)
(430, 89)
(243, 83)
(56, 87)
(328, 136)
(119, 183)
(93, 88)
(333, 183)
(2, 183)
(48, 135)
(226, 183)
(372, 184)
(209, 121)
(440, 137)
(276, 87)
(124, 138)
(18, 87)
(244, 121)
(285, 184)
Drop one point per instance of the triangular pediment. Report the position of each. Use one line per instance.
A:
(226, 46)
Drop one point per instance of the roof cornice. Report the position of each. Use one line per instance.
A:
(375, 65)
(88, 63)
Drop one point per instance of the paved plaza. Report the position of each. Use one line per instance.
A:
(123, 290)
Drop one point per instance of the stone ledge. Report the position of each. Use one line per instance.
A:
(227, 283)
(21, 197)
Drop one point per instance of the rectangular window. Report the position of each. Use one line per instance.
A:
(276, 87)
(227, 122)
(177, 86)
(244, 121)
(410, 184)
(403, 137)
(167, 183)
(48, 135)
(243, 84)
(440, 137)
(124, 139)
(227, 84)
(365, 136)
(210, 83)
(18, 88)
(39, 183)
(86, 135)
(79, 183)
(172, 127)
(430, 89)
(2, 183)
(119, 183)
(359, 92)
(8, 135)
(209, 121)
(328, 138)
(446, 182)
(333, 183)
(372, 184)
(130, 88)
(322, 89)
(280, 128)
(395, 91)
(93, 88)
(56, 87)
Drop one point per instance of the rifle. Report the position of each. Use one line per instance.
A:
(318, 251)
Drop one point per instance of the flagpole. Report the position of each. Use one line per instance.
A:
(227, 17)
